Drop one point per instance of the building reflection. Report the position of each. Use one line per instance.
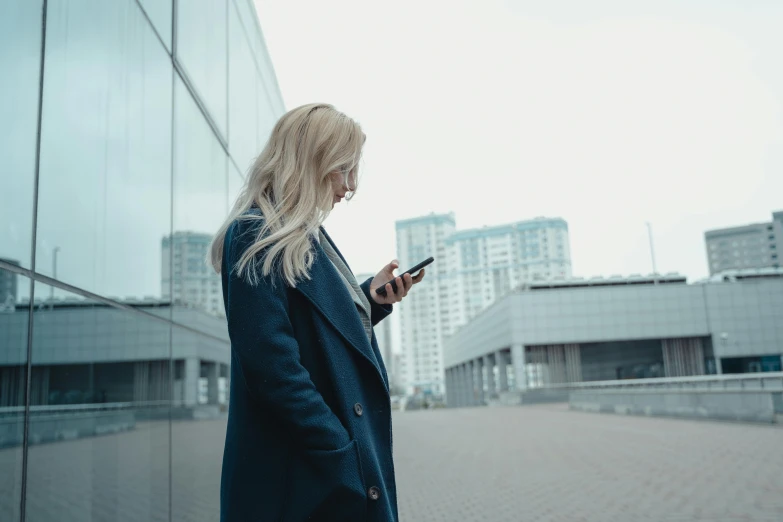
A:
(99, 368)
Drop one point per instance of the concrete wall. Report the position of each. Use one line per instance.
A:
(539, 396)
(752, 406)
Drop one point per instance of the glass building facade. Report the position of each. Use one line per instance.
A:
(130, 125)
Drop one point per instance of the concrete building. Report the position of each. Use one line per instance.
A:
(424, 320)
(186, 278)
(484, 264)
(623, 328)
(473, 269)
(756, 245)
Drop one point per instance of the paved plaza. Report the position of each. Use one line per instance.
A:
(550, 464)
(475, 464)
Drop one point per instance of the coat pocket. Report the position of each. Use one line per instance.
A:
(325, 485)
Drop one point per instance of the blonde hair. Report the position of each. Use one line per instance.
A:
(290, 183)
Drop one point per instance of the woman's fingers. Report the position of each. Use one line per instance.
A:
(400, 289)
(407, 283)
(404, 284)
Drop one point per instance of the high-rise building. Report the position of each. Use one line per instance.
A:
(483, 264)
(473, 269)
(423, 316)
(755, 245)
(186, 277)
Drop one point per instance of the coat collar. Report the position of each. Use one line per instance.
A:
(328, 294)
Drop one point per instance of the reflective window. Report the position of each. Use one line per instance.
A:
(105, 173)
(20, 54)
(99, 433)
(235, 182)
(201, 51)
(200, 387)
(159, 13)
(242, 81)
(121, 143)
(267, 116)
(13, 359)
(247, 14)
(200, 206)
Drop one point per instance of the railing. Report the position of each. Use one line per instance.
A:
(772, 381)
(82, 408)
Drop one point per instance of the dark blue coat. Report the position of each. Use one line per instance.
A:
(309, 432)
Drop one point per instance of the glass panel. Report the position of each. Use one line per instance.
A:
(200, 405)
(159, 13)
(243, 131)
(13, 369)
(106, 143)
(201, 51)
(200, 206)
(247, 13)
(267, 78)
(267, 82)
(235, 182)
(99, 432)
(267, 116)
(20, 53)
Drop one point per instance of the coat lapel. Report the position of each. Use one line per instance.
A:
(328, 294)
(356, 292)
(334, 247)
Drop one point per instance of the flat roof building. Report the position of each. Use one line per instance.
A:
(619, 328)
(757, 245)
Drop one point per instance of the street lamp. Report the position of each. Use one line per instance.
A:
(652, 252)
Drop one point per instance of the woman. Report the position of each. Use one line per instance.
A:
(309, 424)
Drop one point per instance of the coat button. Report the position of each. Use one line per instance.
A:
(374, 493)
(358, 409)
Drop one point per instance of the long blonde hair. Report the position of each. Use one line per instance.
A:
(290, 183)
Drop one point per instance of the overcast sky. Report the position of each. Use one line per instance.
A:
(609, 116)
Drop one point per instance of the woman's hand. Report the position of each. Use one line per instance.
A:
(404, 284)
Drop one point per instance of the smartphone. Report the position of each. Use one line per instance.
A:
(382, 289)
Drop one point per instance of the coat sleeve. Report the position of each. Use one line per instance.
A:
(264, 345)
(377, 312)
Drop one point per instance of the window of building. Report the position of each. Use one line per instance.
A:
(130, 125)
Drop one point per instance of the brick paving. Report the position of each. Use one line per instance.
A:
(550, 464)
(475, 464)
